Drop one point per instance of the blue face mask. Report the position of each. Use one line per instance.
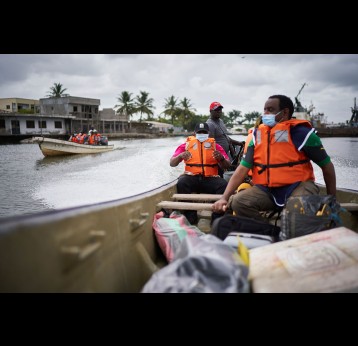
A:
(270, 119)
(202, 136)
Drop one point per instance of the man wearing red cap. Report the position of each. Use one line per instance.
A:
(219, 131)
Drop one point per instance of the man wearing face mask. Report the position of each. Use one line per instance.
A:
(279, 155)
(202, 157)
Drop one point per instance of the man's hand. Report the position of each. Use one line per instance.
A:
(220, 205)
(218, 156)
(185, 155)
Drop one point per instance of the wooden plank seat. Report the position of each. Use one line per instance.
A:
(184, 205)
(198, 197)
(206, 197)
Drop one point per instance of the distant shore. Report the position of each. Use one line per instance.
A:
(22, 139)
(322, 132)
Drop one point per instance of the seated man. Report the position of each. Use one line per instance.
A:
(202, 157)
(279, 155)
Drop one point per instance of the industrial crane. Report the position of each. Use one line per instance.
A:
(354, 118)
(298, 106)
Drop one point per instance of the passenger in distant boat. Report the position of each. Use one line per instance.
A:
(92, 139)
(97, 137)
(279, 155)
(73, 137)
(219, 131)
(202, 157)
(83, 138)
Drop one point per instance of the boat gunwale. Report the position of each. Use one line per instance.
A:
(7, 224)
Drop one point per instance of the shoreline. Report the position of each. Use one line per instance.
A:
(20, 139)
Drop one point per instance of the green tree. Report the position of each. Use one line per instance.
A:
(56, 90)
(251, 117)
(233, 116)
(186, 112)
(144, 104)
(171, 107)
(126, 105)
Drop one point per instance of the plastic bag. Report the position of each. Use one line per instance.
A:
(201, 265)
(171, 231)
(309, 214)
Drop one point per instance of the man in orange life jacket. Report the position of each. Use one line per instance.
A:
(279, 155)
(202, 157)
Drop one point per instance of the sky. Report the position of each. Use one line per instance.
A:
(238, 81)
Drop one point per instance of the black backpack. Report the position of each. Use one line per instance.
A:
(222, 226)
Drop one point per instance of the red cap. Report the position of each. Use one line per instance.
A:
(215, 105)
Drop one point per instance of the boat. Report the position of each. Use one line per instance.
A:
(319, 120)
(57, 147)
(104, 247)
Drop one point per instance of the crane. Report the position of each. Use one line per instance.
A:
(354, 118)
(298, 106)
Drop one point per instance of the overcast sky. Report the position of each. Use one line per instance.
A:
(242, 82)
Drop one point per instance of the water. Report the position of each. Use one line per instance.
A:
(31, 183)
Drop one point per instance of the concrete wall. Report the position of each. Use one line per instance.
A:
(11, 128)
(14, 104)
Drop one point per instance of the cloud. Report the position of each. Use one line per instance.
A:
(237, 83)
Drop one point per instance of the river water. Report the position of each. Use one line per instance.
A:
(31, 183)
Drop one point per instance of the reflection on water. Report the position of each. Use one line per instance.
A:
(31, 183)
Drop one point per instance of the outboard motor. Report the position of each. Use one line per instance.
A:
(103, 140)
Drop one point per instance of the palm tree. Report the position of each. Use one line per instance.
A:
(56, 90)
(126, 105)
(171, 107)
(252, 116)
(186, 112)
(233, 116)
(144, 104)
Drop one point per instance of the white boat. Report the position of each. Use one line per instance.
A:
(56, 147)
(104, 247)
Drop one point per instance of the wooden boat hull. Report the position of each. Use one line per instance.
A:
(56, 147)
(105, 247)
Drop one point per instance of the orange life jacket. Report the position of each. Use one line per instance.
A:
(247, 142)
(277, 162)
(202, 160)
(92, 140)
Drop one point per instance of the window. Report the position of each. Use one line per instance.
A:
(58, 124)
(42, 124)
(2, 123)
(7, 106)
(75, 108)
(30, 124)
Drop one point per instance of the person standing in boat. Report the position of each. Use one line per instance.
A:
(219, 131)
(202, 157)
(279, 155)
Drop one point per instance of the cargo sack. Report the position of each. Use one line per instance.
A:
(201, 265)
(230, 223)
(170, 231)
(304, 215)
